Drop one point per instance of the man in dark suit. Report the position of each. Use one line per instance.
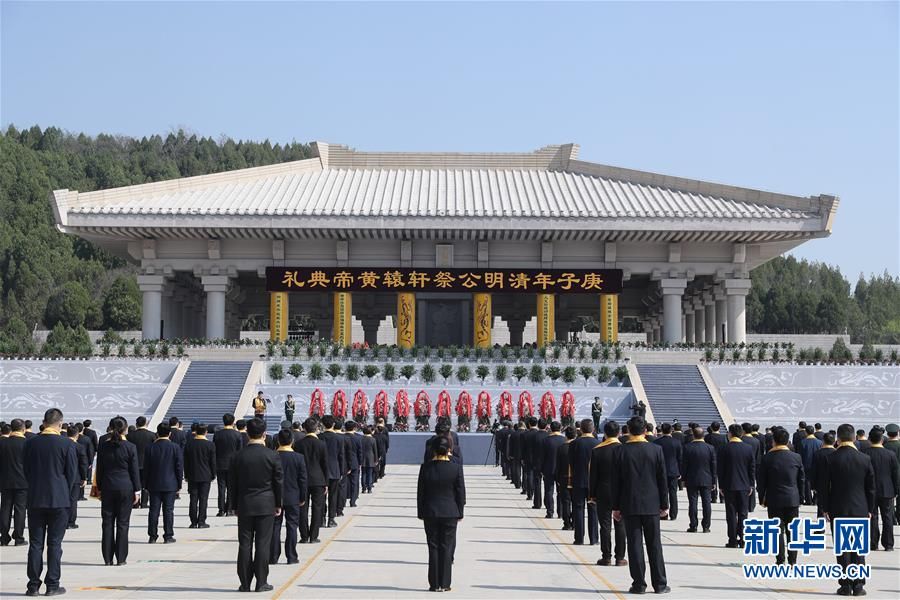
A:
(316, 454)
(164, 469)
(200, 470)
(13, 485)
(564, 479)
(579, 463)
(798, 436)
(893, 444)
(50, 465)
(346, 469)
(718, 441)
(549, 445)
(641, 498)
(849, 491)
(861, 442)
(336, 461)
(699, 462)
(808, 448)
(89, 453)
(780, 481)
(228, 443)
(737, 468)
(142, 438)
(816, 474)
(298, 434)
(817, 431)
(294, 495)
(887, 488)
(256, 480)
(81, 458)
(501, 438)
(515, 457)
(672, 451)
(178, 436)
(756, 444)
(604, 462)
(383, 441)
(538, 435)
(355, 453)
(91, 434)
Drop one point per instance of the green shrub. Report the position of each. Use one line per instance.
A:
(371, 371)
(352, 372)
(482, 371)
(604, 374)
(519, 373)
(389, 372)
(536, 375)
(605, 352)
(427, 373)
(334, 371)
(463, 374)
(569, 374)
(595, 353)
(818, 354)
(295, 370)
(867, 352)
(839, 351)
(446, 372)
(618, 352)
(554, 373)
(587, 373)
(621, 373)
(761, 353)
(315, 372)
(408, 372)
(276, 372)
(736, 354)
(500, 373)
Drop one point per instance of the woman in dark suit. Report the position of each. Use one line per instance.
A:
(441, 498)
(119, 485)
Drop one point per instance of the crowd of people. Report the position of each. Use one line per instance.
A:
(299, 480)
(622, 481)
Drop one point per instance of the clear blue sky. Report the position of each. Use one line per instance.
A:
(796, 98)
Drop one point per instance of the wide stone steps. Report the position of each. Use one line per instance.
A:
(209, 390)
(678, 392)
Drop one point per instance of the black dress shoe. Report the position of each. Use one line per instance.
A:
(353, 505)
(152, 539)
(266, 587)
(621, 562)
(332, 523)
(243, 588)
(293, 562)
(203, 526)
(108, 563)
(692, 530)
(315, 541)
(732, 545)
(844, 590)
(859, 591)
(604, 562)
(663, 590)
(32, 592)
(5, 541)
(192, 526)
(170, 540)
(121, 564)
(637, 590)
(72, 526)
(304, 541)
(706, 530)
(220, 514)
(55, 591)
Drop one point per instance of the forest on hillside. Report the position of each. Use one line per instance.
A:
(51, 280)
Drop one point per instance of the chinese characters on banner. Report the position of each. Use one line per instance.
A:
(394, 279)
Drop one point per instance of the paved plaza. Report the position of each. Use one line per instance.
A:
(504, 548)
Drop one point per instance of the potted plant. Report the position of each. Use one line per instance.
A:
(276, 372)
(427, 373)
(370, 371)
(621, 373)
(352, 372)
(295, 371)
(482, 371)
(446, 372)
(604, 374)
(315, 372)
(586, 372)
(334, 371)
(536, 375)
(569, 374)
(519, 372)
(389, 372)
(407, 372)
(463, 374)
(554, 373)
(500, 373)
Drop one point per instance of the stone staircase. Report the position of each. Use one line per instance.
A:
(678, 392)
(209, 390)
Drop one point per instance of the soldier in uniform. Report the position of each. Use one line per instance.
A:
(597, 412)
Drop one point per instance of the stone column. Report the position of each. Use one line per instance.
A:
(737, 290)
(672, 289)
(482, 319)
(343, 317)
(151, 287)
(699, 321)
(516, 330)
(546, 320)
(683, 326)
(370, 329)
(688, 308)
(657, 333)
(215, 287)
(709, 304)
(721, 315)
(406, 319)
(648, 330)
